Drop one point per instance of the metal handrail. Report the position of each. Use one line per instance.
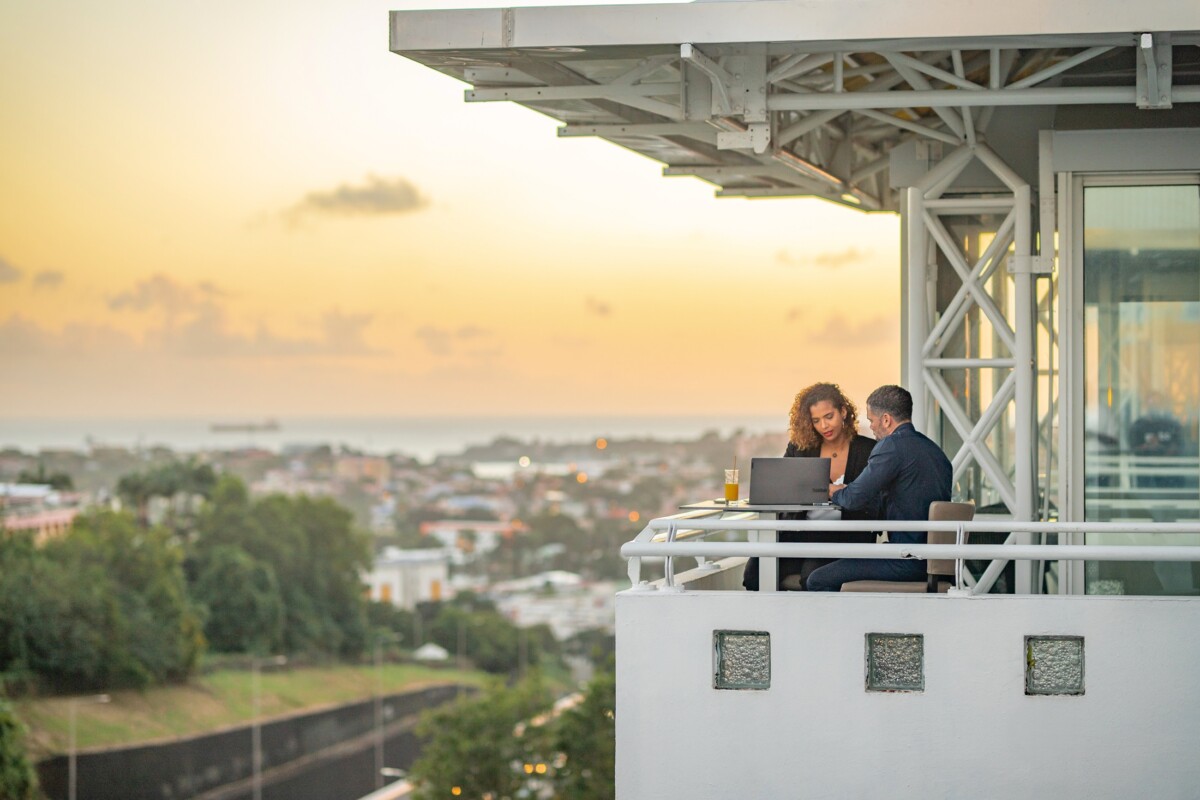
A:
(646, 544)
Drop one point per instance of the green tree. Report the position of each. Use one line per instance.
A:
(177, 481)
(478, 743)
(242, 599)
(493, 643)
(153, 632)
(586, 736)
(56, 480)
(315, 553)
(17, 778)
(595, 644)
(104, 607)
(52, 620)
(339, 555)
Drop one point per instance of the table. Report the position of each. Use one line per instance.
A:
(768, 568)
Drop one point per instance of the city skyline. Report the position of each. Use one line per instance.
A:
(263, 212)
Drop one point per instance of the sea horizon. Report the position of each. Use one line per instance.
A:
(421, 437)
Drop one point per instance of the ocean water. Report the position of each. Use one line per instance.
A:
(420, 437)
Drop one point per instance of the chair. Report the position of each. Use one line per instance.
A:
(940, 571)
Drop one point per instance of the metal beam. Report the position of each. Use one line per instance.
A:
(719, 173)
(904, 125)
(591, 91)
(1076, 95)
(1060, 67)
(697, 130)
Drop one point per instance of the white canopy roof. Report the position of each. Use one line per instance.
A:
(808, 97)
(855, 23)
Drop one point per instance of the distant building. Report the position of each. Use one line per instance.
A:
(407, 577)
(562, 600)
(470, 536)
(36, 507)
(290, 482)
(46, 525)
(357, 468)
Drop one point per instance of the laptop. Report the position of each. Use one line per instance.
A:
(789, 481)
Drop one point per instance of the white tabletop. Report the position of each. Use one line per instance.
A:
(744, 505)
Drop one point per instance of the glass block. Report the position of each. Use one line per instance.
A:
(895, 662)
(1106, 586)
(741, 660)
(1053, 665)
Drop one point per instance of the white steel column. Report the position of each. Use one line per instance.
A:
(1026, 433)
(916, 317)
(929, 334)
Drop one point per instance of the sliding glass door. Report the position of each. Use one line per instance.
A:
(1141, 382)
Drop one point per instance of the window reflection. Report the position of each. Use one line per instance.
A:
(1142, 375)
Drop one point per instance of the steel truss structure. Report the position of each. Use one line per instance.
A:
(972, 384)
(808, 118)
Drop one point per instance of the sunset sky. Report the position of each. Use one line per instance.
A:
(255, 209)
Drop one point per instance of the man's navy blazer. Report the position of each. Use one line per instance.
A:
(908, 471)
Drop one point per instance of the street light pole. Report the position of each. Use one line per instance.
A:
(379, 768)
(72, 774)
(255, 728)
(256, 724)
(379, 713)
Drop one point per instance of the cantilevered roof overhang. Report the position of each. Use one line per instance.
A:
(808, 97)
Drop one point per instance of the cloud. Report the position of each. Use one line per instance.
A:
(443, 341)
(48, 279)
(24, 337)
(839, 332)
(9, 272)
(207, 334)
(598, 307)
(210, 290)
(161, 292)
(374, 197)
(344, 333)
(195, 324)
(204, 335)
(837, 260)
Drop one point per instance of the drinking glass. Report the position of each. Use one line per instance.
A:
(731, 486)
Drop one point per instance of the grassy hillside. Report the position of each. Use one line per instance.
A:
(219, 699)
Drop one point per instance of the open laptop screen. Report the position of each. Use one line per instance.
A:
(789, 481)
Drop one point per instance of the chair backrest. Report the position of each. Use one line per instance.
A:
(946, 511)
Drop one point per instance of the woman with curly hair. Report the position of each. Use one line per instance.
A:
(823, 424)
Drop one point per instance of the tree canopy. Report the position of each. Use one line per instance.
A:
(109, 605)
(503, 743)
(586, 737)
(104, 606)
(472, 743)
(17, 778)
(293, 565)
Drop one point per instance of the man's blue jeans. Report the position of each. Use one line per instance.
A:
(830, 577)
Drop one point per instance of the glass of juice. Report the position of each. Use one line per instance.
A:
(731, 485)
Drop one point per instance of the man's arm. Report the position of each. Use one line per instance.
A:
(882, 468)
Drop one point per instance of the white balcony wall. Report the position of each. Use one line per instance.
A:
(972, 732)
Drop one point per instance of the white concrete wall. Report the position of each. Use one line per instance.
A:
(816, 733)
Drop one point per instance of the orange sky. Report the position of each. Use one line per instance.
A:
(256, 209)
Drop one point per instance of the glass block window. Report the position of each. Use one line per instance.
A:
(741, 660)
(895, 662)
(1053, 665)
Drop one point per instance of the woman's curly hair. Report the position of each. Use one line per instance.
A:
(800, 428)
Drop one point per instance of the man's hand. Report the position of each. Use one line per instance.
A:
(834, 488)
